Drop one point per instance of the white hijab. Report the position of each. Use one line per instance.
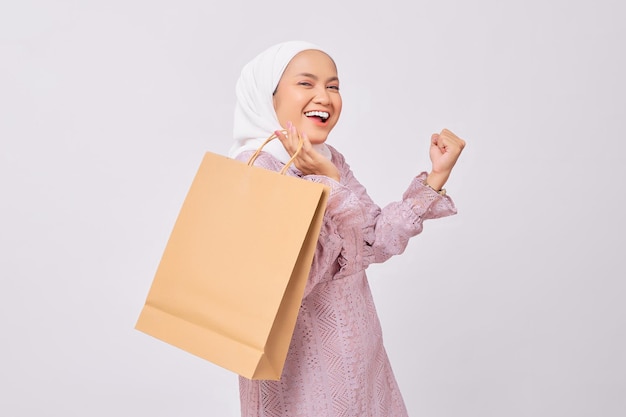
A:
(255, 118)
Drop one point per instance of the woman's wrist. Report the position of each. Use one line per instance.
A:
(334, 175)
(331, 171)
(436, 180)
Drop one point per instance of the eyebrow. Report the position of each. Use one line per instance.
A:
(315, 77)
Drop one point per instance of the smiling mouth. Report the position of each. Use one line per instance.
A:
(322, 115)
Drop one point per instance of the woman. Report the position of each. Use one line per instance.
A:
(336, 365)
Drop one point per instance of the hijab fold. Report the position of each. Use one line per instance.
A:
(255, 118)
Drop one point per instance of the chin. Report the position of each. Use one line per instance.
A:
(318, 138)
(317, 141)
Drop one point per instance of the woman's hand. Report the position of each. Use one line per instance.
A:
(445, 149)
(308, 161)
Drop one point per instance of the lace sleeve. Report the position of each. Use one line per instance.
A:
(385, 232)
(355, 231)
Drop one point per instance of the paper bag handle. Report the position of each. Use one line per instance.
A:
(273, 136)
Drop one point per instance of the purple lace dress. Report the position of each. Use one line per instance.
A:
(337, 365)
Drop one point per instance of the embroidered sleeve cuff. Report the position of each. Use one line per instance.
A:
(426, 202)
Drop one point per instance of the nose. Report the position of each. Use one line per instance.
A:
(321, 96)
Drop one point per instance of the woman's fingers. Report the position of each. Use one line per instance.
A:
(437, 141)
(308, 153)
(445, 149)
(289, 138)
(301, 140)
(447, 142)
(308, 160)
(450, 139)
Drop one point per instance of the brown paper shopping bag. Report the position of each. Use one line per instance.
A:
(230, 282)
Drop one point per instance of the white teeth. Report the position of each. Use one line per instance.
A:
(324, 115)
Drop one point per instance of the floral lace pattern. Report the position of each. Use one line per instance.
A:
(337, 365)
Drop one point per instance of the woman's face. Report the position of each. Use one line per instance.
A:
(308, 95)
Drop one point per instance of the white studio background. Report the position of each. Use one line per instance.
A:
(514, 307)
